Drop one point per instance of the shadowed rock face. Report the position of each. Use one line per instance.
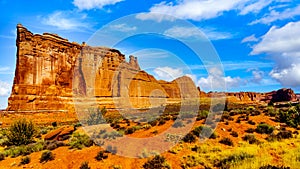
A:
(50, 70)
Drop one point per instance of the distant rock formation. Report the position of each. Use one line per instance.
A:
(50, 70)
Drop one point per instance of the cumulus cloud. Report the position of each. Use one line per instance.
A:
(4, 88)
(66, 20)
(93, 4)
(282, 44)
(217, 81)
(192, 32)
(168, 73)
(257, 76)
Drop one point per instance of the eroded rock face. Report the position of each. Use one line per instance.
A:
(50, 71)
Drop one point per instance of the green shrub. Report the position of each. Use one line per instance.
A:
(264, 128)
(85, 165)
(21, 132)
(226, 141)
(189, 138)
(204, 132)
(96, 116)
(46, 156)
(202, 114)
(251, 139)
(101, 155)
(232, 159)
(157, 162)
(25, 160)
(80, 141)
(273, 167)
(53, 144)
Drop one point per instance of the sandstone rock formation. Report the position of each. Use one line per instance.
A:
(50, 71)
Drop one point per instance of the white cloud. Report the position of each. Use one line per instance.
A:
(275, 15)
(193, 32)
(198, 10)
(217, 81)
(280, 40)
(190, 9)
(282, 44)
(5, 70)
(168, 73)
(257, 76)
(123, 28)
(66, 20)
(255, 7)
(250, 38)
(93, 4)
(5, 88)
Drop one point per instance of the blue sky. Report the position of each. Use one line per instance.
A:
(257, 41)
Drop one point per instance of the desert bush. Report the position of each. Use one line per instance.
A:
(264, 128)
(80, 141)
(226, 141)
(96, 116)
(250, 130)
(234, 134)
(85, 165)
(101, 155)
(47, 156)
(290, 117)
(2, 156)
(226, 162)
(251, 122)
(25, 160)
(161, 122)
(218, 107)
(54, 124)
(178, 124)
(21, 132)
(157, 162)
(283, 134)
(192, 161)
(202, 114)
(251, 139)
(273, 167)
(204, 132)
(153, 123)
(189, 138)
(53, 144)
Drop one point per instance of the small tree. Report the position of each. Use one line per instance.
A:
(157, 162)
(21, 132)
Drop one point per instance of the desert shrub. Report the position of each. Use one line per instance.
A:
(192, 161)
(129, 130)
(234, 134)
(53, 144)
(226, 141)
(85, 165)
(238, 120)
(54, 124)
(283, 134)
(161, 122)
(80, 141)
(264, 128)
(101, 155)
(157, 162)
(21, 132)
(204, 132)
(178, 124)
(47, 156)
(290, 117)
(153, 123)
(251, 122)
(226, 162)
(218, 107)
(250, 130)
(202, 114)
(25, 160)
(2, 156)
(273, 167)
(96, 116)
(251, 139)
(189, 138)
